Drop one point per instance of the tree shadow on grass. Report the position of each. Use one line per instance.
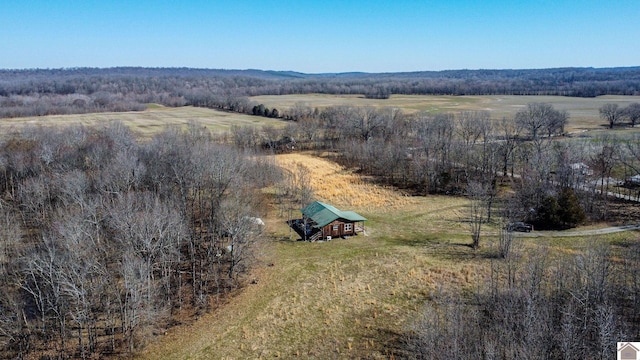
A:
(395, 344)
(464, 251)
(413, 241)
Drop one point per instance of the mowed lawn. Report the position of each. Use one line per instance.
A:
(147, 122)
(583, 112)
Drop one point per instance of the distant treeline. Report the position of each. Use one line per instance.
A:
(80, 90)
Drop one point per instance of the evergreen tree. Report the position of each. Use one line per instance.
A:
(548, 213)
(570, 212)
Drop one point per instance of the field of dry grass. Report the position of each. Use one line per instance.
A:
(332, 182)
(348, 298)
(148, 122)
(583, 112)
(340, 299)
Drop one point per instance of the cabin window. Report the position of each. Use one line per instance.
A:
(336, 227)
(348, 227)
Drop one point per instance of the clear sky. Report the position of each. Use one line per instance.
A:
(320, 36)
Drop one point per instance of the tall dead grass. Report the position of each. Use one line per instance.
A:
(339, 186)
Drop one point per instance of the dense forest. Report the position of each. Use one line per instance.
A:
(82, 90)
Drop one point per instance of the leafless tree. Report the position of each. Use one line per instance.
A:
(533, 118)
(508, 134)
(602, 161)
(537, 117)
(611, 113)
(472, 129)
(245, 137)
(12, 323)
(478, 196)
(434, 137)
(505, 241)
(632, 113)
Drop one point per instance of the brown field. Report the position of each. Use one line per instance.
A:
(331, 182)
(583, 112)
(147, 122)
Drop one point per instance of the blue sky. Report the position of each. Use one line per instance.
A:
(320, 36)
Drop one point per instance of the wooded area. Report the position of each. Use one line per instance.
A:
(83, 90)
(106, 238)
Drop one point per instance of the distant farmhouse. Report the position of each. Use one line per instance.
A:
(322, 221)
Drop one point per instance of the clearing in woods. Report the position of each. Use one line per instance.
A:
(344, 298)
(347, 298)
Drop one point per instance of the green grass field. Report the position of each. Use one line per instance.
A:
(148, 122)
(583, 112)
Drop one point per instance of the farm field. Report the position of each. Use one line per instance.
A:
(350, 298)
(147, 122)
(583, 112)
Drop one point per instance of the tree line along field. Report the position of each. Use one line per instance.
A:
(583, 112)
(429, 183)
(148, 122)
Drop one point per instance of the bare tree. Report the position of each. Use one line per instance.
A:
(472, 128)
(364, 123)
(611, 113)
(13, 326)
(434, 137)
(535, 118)
(505, 241)
(632, 113)
(508, 136)
(478, 196)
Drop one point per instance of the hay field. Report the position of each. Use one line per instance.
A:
(147, 122)
(333, 183)
(583, 112)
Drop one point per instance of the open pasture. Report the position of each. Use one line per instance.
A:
(583, 112)
(147, 122)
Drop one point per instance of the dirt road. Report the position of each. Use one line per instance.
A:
(608, 230)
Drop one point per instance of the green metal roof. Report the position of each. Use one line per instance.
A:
(323, 214)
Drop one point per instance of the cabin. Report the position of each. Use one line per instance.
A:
(322, 221)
